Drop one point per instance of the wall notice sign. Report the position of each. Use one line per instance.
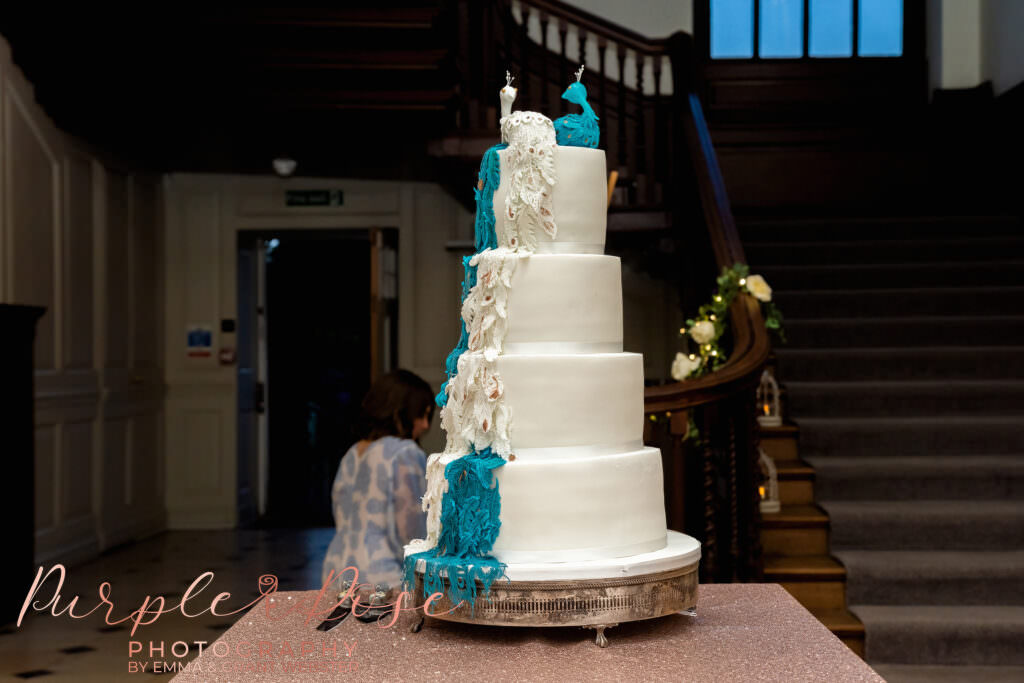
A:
(199, 341)
(313, 197)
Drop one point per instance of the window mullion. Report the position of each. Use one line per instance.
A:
(855, 47)
(757, 29)
(807, 30)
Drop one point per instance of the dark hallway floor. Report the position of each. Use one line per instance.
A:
(50, 648)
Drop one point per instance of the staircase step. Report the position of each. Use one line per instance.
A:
(780, 443)
(876, 228)
(1005, 330)
(815, 581)
(926, 525)
(796, 482)
(919, 477)
(815, 568)
(933, 301)
(901, 363)
(956, 249)
(909, 673)
(845, 625)
(948, 634)
(906, 397)
(796, 530)
(899, 577)
(891, 275)
(944, 435)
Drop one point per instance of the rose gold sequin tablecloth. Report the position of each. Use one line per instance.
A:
(742, 632)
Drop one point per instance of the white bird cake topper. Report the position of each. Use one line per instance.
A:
(531, 169)
(507, 97)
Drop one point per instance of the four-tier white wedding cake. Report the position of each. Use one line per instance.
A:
(542, 396)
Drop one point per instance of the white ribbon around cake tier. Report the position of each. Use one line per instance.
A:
(559, 347)
(574, 452)
(568, 248)
(581, 554)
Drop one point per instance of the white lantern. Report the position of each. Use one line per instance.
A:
(768, 412)
(769, 490)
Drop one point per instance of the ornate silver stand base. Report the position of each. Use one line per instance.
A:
(591, 603)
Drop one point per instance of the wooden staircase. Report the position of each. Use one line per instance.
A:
(795, 541)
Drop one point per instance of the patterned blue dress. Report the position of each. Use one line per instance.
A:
(377, 510)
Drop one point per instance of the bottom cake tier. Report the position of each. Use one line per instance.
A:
(577, 506)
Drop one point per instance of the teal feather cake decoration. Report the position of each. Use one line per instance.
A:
(462, 501)
(578, 130)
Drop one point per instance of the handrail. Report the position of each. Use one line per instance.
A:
(751, 346)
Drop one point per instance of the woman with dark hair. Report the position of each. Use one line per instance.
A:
(380, 483)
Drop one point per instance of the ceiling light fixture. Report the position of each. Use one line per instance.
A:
(284, 166)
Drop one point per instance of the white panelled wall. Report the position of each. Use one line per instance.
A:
(205, 213)
(79, 235)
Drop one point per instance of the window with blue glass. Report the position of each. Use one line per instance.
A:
(791, 29)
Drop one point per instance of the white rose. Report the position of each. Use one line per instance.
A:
(703, 332)
(759, 288)
(683, 366)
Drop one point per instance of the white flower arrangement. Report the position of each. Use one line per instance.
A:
(703, 331)
(683, 365)
(710, 324)
(758, 288)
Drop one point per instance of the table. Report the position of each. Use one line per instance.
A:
(742, 632)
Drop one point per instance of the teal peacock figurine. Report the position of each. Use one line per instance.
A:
(578, 130)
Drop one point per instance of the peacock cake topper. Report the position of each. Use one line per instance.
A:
(507, 97)
(532, 175)
(578, 130)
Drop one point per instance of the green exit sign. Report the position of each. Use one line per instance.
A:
(314, 197)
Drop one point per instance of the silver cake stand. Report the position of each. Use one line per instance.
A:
(597, 594)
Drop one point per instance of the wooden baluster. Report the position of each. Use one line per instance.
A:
(563, 31)
(545, 57)
(734, 496)
(659, 137)
(709, 552)
(620, 54)
(642, 175)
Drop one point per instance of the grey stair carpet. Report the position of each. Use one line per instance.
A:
(944, 634)
(907, 397)
(899, 363)
(907, 673)
(919, 477)
(926, 524)
(905, 374)
(937, 577)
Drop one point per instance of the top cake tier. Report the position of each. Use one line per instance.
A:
(580, 202)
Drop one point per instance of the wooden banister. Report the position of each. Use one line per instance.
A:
(751, 346)
(718, 472)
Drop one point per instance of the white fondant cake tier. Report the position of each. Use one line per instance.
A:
(567, 302)
(579, 201)
(680, 550)
(564, 510)
(573, 399)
